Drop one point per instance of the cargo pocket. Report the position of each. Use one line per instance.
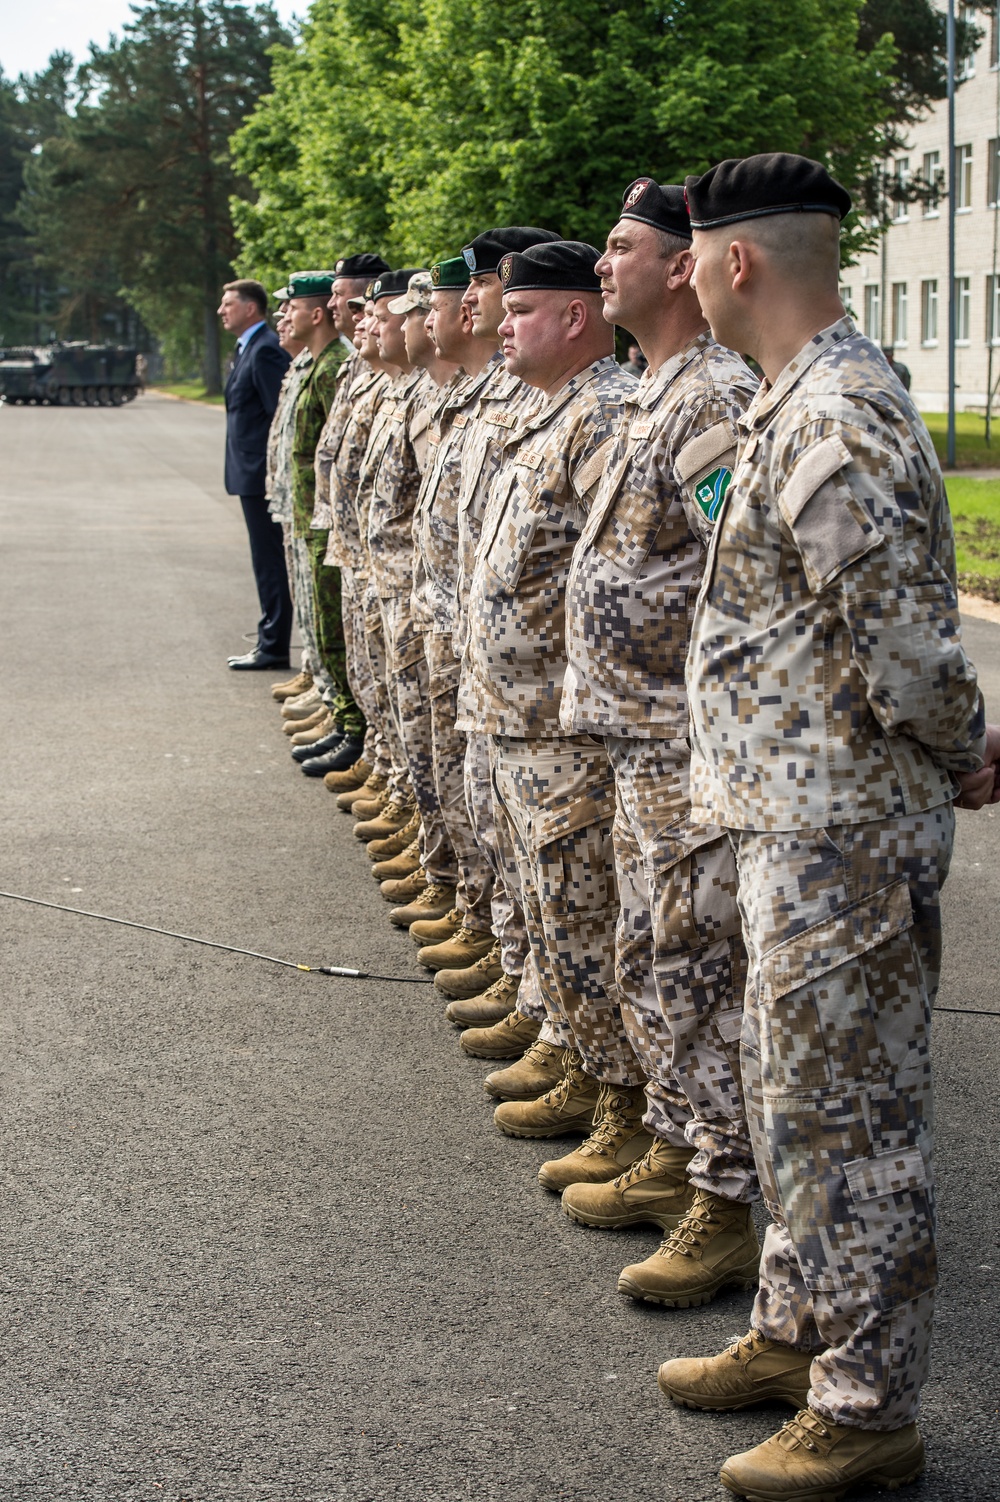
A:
(507, 550)
(823, 1022)
(892, 1195)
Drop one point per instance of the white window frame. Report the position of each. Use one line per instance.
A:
(931, 169)
(963, 309)
(961, 184)
(900, 314)
(873, 311)
(930, 312)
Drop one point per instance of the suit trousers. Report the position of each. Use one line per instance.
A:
(267, 558)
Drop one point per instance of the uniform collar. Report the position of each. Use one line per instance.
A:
(769, 398)
(653, 383)
(565, 394)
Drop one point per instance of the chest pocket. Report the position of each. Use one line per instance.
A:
(513, 533)
(630, 524)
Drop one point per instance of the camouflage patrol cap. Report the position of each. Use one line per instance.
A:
(556, 266)
(777, 182)
(662, 207)
(450, 273)
(306, 284)
(484, 253)
(364, 264)
(416, 296)
(392, 283)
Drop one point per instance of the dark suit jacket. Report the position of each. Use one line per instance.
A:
(251, 397)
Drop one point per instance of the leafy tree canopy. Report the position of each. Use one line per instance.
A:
(131, 188)
(409, 125)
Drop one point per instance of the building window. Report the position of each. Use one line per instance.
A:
(993, 172)
(900, 307)
(846, 297)
(873, 313)
(900, 181)
(993, 310)
(994, 37)
(963, 301)
(929, 312)
(967, 14)
(961, 178)
(932, 176)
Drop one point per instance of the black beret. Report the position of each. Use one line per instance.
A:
(364, 264)
(486, 250)
(664, 208)
(562, 265)
(392, 283)
(774, 183)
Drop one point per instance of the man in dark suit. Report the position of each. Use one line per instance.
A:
(259, 365)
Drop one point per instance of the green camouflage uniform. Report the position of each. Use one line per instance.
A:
(316, 397)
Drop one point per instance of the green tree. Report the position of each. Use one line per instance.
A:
(411, 124)
(133, 189)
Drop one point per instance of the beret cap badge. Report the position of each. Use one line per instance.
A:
(636, 192)
(505, 268)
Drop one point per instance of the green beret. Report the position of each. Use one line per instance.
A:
(453, 273)
(307, 284)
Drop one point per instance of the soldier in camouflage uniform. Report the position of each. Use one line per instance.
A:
(277, 484)
(835, 717)
(464, 936)
(629, 605)
(482, 995)
(346, 548)
(341, 746)
(554, 794)
(406, 463)
(310, 321)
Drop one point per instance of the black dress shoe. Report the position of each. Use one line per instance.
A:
(318, 748)
(259, 659)
(338, 760)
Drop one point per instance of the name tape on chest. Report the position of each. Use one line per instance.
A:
(501, 419)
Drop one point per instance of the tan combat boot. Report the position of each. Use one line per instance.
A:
(468, 944)
(399, 866)
(618, 1139)
(308, 732)
(405, 888)
(481, 1012)
(472, 980)
(352, 778)
(814, 1460)
(540, 1069)
(715, 1246)
(394, 815)
(394, 844)
(430, 931)
(293, 687)
(751, 1370)
(564, 1110)
(374, 787)
(654, 1191)
(433, 902)
(303, 705)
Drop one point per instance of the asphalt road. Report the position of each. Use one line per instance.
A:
(259, 1238)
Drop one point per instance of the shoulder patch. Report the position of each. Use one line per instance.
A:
(711, 491)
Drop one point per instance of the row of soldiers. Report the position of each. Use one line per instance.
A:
(649, 700)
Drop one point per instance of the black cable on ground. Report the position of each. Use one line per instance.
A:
(169, 933)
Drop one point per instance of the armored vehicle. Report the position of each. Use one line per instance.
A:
(79, 374)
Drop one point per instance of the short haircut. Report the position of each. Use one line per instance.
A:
(250, 291)
(669, 245)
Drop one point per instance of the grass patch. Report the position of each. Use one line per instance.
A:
(191, 391)
(975, 510)
(971, 451)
